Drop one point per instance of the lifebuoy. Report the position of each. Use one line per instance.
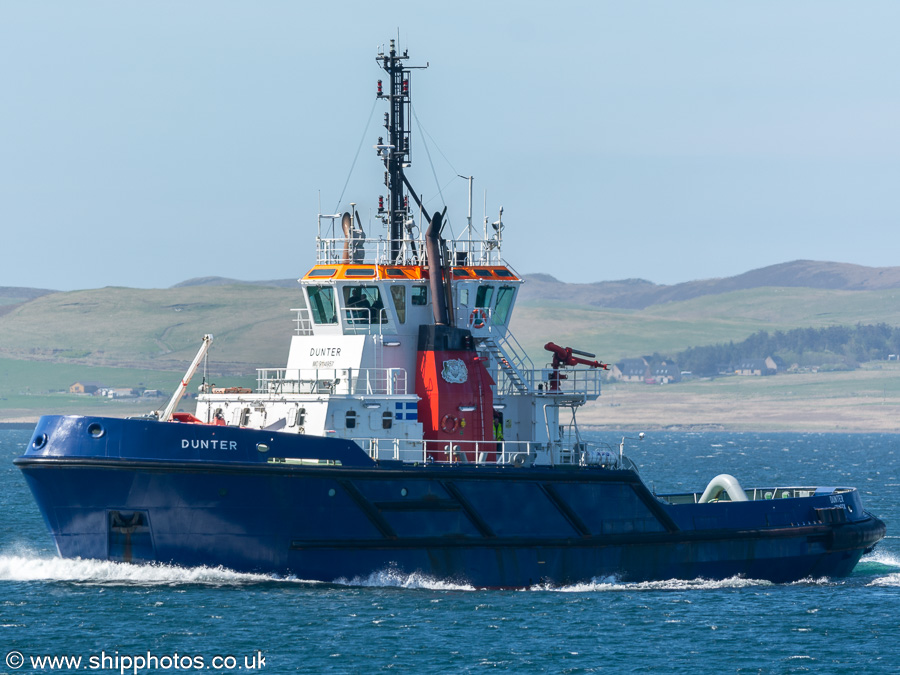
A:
(449, 424)
(477, 318)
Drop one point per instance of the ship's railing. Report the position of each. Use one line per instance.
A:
(516, 453)
(754, 494)
(303, 321)
(330, 251)
(515, 351)
(341, 381)
(363, 320)
(578, 382)
(490, 453)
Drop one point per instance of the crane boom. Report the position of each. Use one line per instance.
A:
(176, 397)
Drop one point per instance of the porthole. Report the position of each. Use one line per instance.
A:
(262, 447)
(403, 492)
(39, 441)
(331, 492)
(96, 430)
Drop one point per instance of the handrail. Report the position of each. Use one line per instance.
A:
(359, 320)
(341, 381)
(303, 321)
(515, 453)
(584, 382)
(330, 250)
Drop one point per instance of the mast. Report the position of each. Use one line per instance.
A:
(396, 152)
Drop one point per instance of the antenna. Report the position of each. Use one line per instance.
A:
(395, 149)
(469, 213)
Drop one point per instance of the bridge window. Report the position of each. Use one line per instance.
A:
(419, 295)
(350, 419)
(484, 295)
(504, 300)
(321, 302)
(364, 305)
(398, 293)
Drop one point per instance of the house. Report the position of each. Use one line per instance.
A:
(118, 392)
(85, 387)
(665, 373)
(630, 370)
(756, 367)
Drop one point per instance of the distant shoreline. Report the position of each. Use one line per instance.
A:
(8, 426)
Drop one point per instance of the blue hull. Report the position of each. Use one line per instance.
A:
(317, 508)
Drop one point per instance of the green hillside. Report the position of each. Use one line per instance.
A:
(161, 329)
(153, 329)
(672, 327)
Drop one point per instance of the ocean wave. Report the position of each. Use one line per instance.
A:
(889, 580)
(25, 567)
(881, 557)
(607, 584)
(393, 578)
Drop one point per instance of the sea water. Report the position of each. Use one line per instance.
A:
(119, 618)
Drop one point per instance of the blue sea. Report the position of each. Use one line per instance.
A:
(148, 619)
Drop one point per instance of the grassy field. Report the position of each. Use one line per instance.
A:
(672, 327)
(29, 389)
(154, 329)
(853, 401)
(862, 400)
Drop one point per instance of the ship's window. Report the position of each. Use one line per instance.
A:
(321, 302)
(350, 419)
(245, 417)
(463, 297)
(459, 272)
(482, 273)
(387, 420)
(483, 296)
(363, 305)
(360, 272)
(327, 272)
(418, 295)
(504, 300)
(394, 272)
(398, 293)
(506, 274)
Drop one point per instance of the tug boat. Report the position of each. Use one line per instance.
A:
(409, 430)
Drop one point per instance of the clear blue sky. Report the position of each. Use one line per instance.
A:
(145, 143)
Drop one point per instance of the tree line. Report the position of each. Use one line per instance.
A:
(838, 347)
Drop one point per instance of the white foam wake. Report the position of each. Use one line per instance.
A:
(36, 568)
(881, 562)
(881, 557)
(392, 578)
(612, 584)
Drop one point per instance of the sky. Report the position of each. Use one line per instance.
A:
(146, 143)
